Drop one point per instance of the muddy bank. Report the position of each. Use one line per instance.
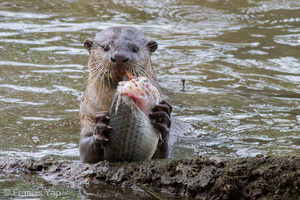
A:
(199, 177)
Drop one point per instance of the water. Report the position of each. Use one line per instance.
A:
(240, 60)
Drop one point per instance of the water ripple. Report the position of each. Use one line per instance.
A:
(54, 26)
(41, 66)
(24, 15)
(43, 90)
(39, 42)
(20, 101)
(266, 6)
(61, 50)
(292, 39)
(41, 119)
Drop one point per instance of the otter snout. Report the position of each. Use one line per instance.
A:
(119, 59)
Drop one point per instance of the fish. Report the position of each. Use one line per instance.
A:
(133, 137)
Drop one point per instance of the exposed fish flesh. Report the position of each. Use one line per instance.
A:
(133, 137)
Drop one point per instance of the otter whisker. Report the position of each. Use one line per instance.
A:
(145, 72)
(97, 74)
(91, 75)
(94, 75)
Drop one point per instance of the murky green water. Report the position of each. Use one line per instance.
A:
(240, 60)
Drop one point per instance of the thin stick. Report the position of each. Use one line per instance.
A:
(152, 192)
(183, 84)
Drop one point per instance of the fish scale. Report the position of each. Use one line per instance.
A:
(133, 137)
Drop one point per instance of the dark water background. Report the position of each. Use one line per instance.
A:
(240, 59)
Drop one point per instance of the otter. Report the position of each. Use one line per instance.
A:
(113, 53)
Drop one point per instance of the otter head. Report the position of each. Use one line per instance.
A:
(117, 50)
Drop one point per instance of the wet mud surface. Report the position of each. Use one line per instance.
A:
(199, 177)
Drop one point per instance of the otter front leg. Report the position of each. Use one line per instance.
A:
(91, 144)
(161, 120)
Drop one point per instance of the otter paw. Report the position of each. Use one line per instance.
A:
(161, 118)
(164, 106)
(102, 116)
(101, 128)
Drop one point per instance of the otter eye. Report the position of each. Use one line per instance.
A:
(105, 47)
(135, 49)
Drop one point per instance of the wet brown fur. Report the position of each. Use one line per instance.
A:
(102, 79)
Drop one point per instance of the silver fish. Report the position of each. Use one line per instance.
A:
(133, 137)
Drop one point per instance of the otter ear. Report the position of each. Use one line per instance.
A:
(88, 43)
(152, 45)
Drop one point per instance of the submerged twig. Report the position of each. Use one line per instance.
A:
(183, 84)
(152, 192)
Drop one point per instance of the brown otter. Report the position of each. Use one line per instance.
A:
(114, 52)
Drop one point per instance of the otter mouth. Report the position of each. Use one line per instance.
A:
(120, 72)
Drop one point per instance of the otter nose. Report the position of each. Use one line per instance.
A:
(119, 59)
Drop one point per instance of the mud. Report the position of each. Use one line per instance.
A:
(199, 177)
